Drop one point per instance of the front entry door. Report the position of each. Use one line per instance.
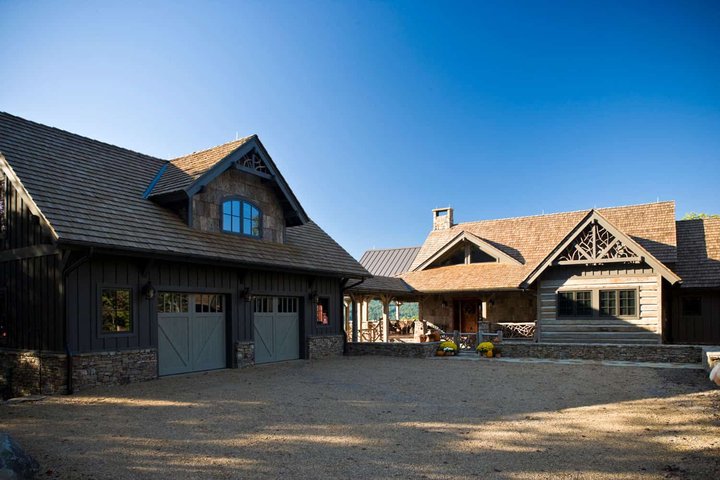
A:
(469, 314)
(276, 323)
(191, 332)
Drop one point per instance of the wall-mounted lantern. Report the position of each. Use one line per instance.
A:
(247, 295)
(313, 296)
(148, 291)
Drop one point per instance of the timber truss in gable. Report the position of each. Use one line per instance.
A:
(596, 244)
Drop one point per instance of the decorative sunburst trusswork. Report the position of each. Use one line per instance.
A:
(253, 161)
(596, 244)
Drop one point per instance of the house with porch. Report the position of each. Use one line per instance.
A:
(117, 266)
(630, 274)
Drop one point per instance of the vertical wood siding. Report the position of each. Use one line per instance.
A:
(84, 284)
(31, 285)
(703, 329)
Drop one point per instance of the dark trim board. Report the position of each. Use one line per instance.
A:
(28, 252)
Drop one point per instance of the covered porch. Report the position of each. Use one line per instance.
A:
(464, 317)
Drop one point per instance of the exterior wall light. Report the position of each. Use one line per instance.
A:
(148, 291)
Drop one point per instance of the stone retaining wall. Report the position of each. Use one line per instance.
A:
(113, 368)
(395, 349)
(324, 347)
(245, 354)
(635, 353)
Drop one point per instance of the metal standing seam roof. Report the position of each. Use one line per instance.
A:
(92, 193)
(389, 262)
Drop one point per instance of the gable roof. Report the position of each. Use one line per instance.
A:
(185, 176)
(74, 182)
(595, 217)
(530, 240)
(185, 170)
(389, 262)
(699, 252)
(465, 236)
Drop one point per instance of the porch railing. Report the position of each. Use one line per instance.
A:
(520, 330)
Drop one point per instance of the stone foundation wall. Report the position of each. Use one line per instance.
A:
(113, 368)
(245, 354)
(324, 347)
(635, 353)
(28, 372)
(409, 350)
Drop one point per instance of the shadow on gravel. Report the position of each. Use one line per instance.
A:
(383, 418)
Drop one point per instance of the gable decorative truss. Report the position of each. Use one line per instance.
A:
(596, 241)
(464, 236)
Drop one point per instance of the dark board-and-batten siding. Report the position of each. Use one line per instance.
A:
(84, 284)
(30, 278)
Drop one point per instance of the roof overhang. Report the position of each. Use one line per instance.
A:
(22, 191)
(593, 216)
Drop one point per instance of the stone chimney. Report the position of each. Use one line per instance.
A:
(442, 218)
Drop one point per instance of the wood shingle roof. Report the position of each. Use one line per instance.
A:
(699, 252)
(92, 193)
(529, 240)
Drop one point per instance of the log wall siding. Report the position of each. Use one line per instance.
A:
(646, 327)
(31, 285)
(84, 284)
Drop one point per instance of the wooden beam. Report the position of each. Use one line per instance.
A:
(28, 252)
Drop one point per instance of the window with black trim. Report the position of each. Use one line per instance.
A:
(575, 304)
(692, 306)
(322, 316)
(618, 303)
(117, 311)
(241, 216)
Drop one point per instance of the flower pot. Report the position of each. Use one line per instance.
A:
(440, 353)
(489, 354)
(423, 338)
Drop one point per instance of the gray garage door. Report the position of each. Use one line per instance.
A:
(277, 329)
(191, 332)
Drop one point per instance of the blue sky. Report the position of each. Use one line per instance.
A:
(377, 112)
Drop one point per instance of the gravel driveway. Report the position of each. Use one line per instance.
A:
(375, 417)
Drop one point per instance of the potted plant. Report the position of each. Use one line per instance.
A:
(447, 348)
(485, 349)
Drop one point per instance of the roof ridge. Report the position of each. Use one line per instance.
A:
(585, 210)
(392, 248)
(77, 135)
(243, 140)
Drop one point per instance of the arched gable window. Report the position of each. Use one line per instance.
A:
(241, 216)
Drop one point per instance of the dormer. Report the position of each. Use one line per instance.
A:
(234, 189)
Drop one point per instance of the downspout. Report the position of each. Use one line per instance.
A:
(68, 353)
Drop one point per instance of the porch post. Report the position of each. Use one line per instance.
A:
(385, 317)
(397, 310)
(355, 314)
